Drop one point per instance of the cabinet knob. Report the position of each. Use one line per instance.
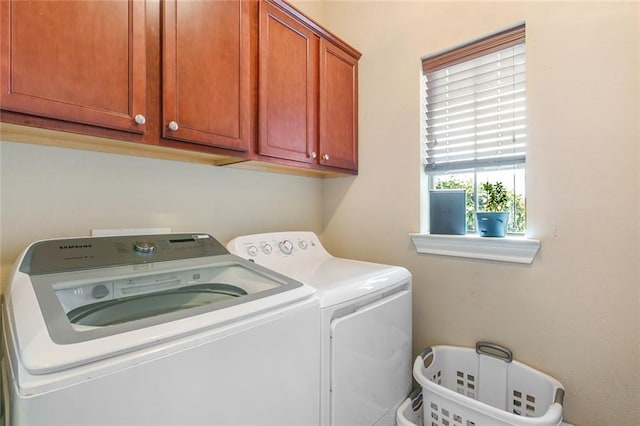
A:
(173, 126)
(139, 119)
(313, 155)
(325, 157)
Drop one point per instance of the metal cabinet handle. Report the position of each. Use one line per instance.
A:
(173, 126)
(139, 119)
(325, 157)
(313, 155)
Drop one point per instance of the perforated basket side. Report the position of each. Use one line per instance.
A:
(450, 399)
(530, 392)
(454, 368)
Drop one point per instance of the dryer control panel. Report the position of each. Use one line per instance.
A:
(269, 248)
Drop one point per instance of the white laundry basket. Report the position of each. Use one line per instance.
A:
(410, 411)
(485, 387)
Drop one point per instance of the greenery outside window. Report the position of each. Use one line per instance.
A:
(475, 122)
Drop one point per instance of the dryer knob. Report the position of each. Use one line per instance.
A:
(286, 246)
(252, 251)
(303, 244)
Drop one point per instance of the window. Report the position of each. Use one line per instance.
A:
(475, 121)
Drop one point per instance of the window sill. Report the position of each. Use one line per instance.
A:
(508, 249)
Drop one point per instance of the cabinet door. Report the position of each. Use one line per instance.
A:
(206, 72)
(288, 87)
(79, 61)
(338, 126)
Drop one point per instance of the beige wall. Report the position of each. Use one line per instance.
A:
(53, 192)
(574, 312)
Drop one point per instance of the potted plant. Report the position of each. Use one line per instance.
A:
(492, 222)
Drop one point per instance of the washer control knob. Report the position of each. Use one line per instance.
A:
(252, 251)
(145, 247)
(303, 244)
(286, 246)
(267, 249)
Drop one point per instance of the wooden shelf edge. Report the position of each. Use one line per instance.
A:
(263, 166)
(39, 136)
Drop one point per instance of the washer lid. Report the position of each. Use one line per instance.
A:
(84, 305)
(132, 308)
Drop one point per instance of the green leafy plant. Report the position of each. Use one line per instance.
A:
(495, 197)
(516, 204)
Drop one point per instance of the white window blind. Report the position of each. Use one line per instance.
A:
(475, 103)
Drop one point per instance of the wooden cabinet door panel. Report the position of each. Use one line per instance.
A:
(288, 87)
(79, 61)
(206, 76)
(338, 119)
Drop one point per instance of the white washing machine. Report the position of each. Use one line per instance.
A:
(163, 329)
(366, 324)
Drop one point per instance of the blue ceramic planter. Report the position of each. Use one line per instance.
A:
(492, 224)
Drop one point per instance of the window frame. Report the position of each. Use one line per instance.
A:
(483, 46)
(519, 249)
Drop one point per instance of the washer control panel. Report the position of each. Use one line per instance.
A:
(98, 252)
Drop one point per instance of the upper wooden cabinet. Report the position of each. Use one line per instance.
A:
(206, 72)
(88, 62)
(288, 87)
(308, 92)
(338, 130)
(80, 61)
(252, 81)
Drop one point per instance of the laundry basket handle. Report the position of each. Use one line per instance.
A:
(494, 350)
(425, 352)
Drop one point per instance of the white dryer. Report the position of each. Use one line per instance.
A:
(163, 330)
(366, 325)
